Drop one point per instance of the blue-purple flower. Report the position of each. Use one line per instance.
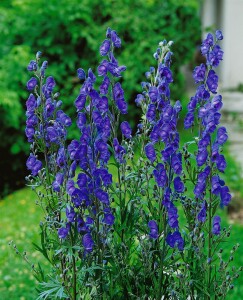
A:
(31, 84)
(81, 74)
(32, 66)
(88, 242)
(175, 240)
(216, 225)
(199, 73)
(153, 229)
(33, 164)
(126, 129)
(179, 185)
(150, 152)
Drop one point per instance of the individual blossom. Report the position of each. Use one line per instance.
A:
(225, 196)
(221, 135)
(102, 196)
(88, 242)
(139, 100)
(202, 93)
(160, 175)
(165, 73)
(115, 39)
(63, 232)
(108, 217)
(202, 157)
(219, 35)
(80, 101)
(151, 112)
(216, 225)
(82, 180)
(203, 213)
(215, 56)
(216, 184)
(153, 229)
(119, 151)
(150, 152)
(33, 164)
(179, 185)
(175, 240)
(105, 47)
(212, 81)
(81, 120)
(201, 183)
(31, 84)
(199, 73)
(172, 214)
(153, 93)
(81, 74)
(126, 129)
(31, 104)
(207, 44)
(58, 182)
(32, 66)
(217, 102)
(177, 163)
(118, 95)
(221, 162)
(70, 214)
(189, 120)
(105, 85)
(63, 118)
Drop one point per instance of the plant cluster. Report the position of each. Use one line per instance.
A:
(130, 216)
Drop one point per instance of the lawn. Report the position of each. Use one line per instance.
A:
(19, 223)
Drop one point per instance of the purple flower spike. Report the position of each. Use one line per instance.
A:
(153, 229)
(126, 129)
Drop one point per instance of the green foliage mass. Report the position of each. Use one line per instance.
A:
(69, 34)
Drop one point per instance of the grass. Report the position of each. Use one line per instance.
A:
(19, 222)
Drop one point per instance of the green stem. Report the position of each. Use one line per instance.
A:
(210, 223)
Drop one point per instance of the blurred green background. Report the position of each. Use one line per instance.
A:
(69, 33)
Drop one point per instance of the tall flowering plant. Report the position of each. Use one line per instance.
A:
(130, 216)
